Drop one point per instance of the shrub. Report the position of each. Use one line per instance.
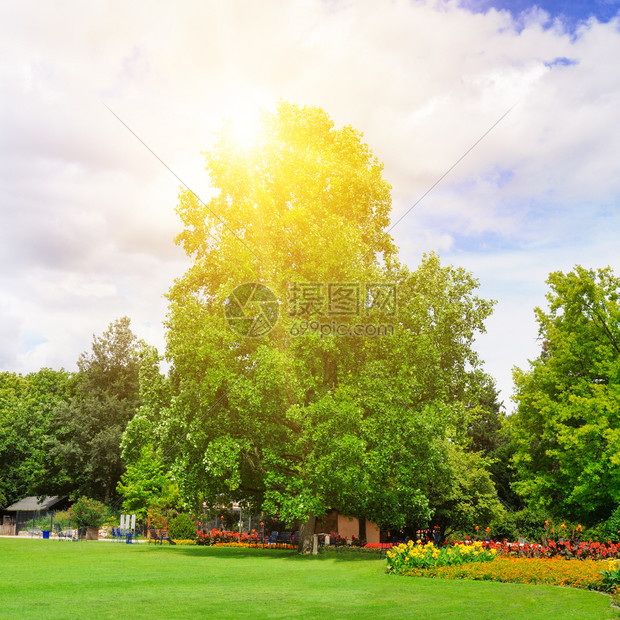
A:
(87, 512)
(61, 519)
(525, 523)
(44, 523)
(182, 527)
(611, 527)
(611, 576)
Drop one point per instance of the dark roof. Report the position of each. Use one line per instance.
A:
(33, 503)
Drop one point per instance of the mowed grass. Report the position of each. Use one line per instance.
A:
(52, 579)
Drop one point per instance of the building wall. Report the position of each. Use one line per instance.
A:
(329, 523)
(372, 532)
(348, 527)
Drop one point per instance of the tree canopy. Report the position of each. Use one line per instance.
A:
(301, 421)
(86, 430)
(27, 408)
(567, 426)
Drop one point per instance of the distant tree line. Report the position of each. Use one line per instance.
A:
(61, 432)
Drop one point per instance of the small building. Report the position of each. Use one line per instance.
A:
(347, 527)
(21, 514)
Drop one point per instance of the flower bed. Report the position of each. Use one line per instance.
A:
(576, 550)
(403, 557)
(551, 549)
(585, 574)
(220, 537)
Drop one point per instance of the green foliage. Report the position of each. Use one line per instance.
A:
(611, 528)
(88, 512)
(525, 523)
(566, 431)
(62, 519)
(470, 498)
(44, 523)
(611, 574)
(27, 406)
(182, 527)
(87, 429)
(145, 484)
(295, 426)
(489, 433)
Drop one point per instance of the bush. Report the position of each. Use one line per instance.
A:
(44, 523)
(61, 519)
(526, 523)
(611, 576)
(87, 512)
(611, 527)
(182, 527)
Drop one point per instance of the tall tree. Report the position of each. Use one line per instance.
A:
(27, 406)
(567, 426)
(301, 421)
(87, 429)
(490, 436)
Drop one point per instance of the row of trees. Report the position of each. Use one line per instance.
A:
(61, 432)
(404, 429)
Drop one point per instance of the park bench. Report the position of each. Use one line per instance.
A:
(284, 539)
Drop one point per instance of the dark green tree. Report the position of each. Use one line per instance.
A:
(87, 429)
(489, 433)
(27, 406)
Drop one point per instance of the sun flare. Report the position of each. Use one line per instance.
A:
(243, 122)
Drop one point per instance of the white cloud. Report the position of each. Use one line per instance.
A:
(87, 213)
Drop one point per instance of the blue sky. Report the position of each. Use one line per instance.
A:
(87, 214)
(571, 13)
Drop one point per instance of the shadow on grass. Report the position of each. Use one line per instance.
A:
(344, 555)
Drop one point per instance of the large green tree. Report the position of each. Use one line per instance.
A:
(299, 421)
(567, 426)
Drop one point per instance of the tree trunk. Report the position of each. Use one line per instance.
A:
(306, 532)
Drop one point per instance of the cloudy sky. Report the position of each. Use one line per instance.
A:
(87, 213)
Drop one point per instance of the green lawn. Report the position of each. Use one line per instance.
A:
(52, 579)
